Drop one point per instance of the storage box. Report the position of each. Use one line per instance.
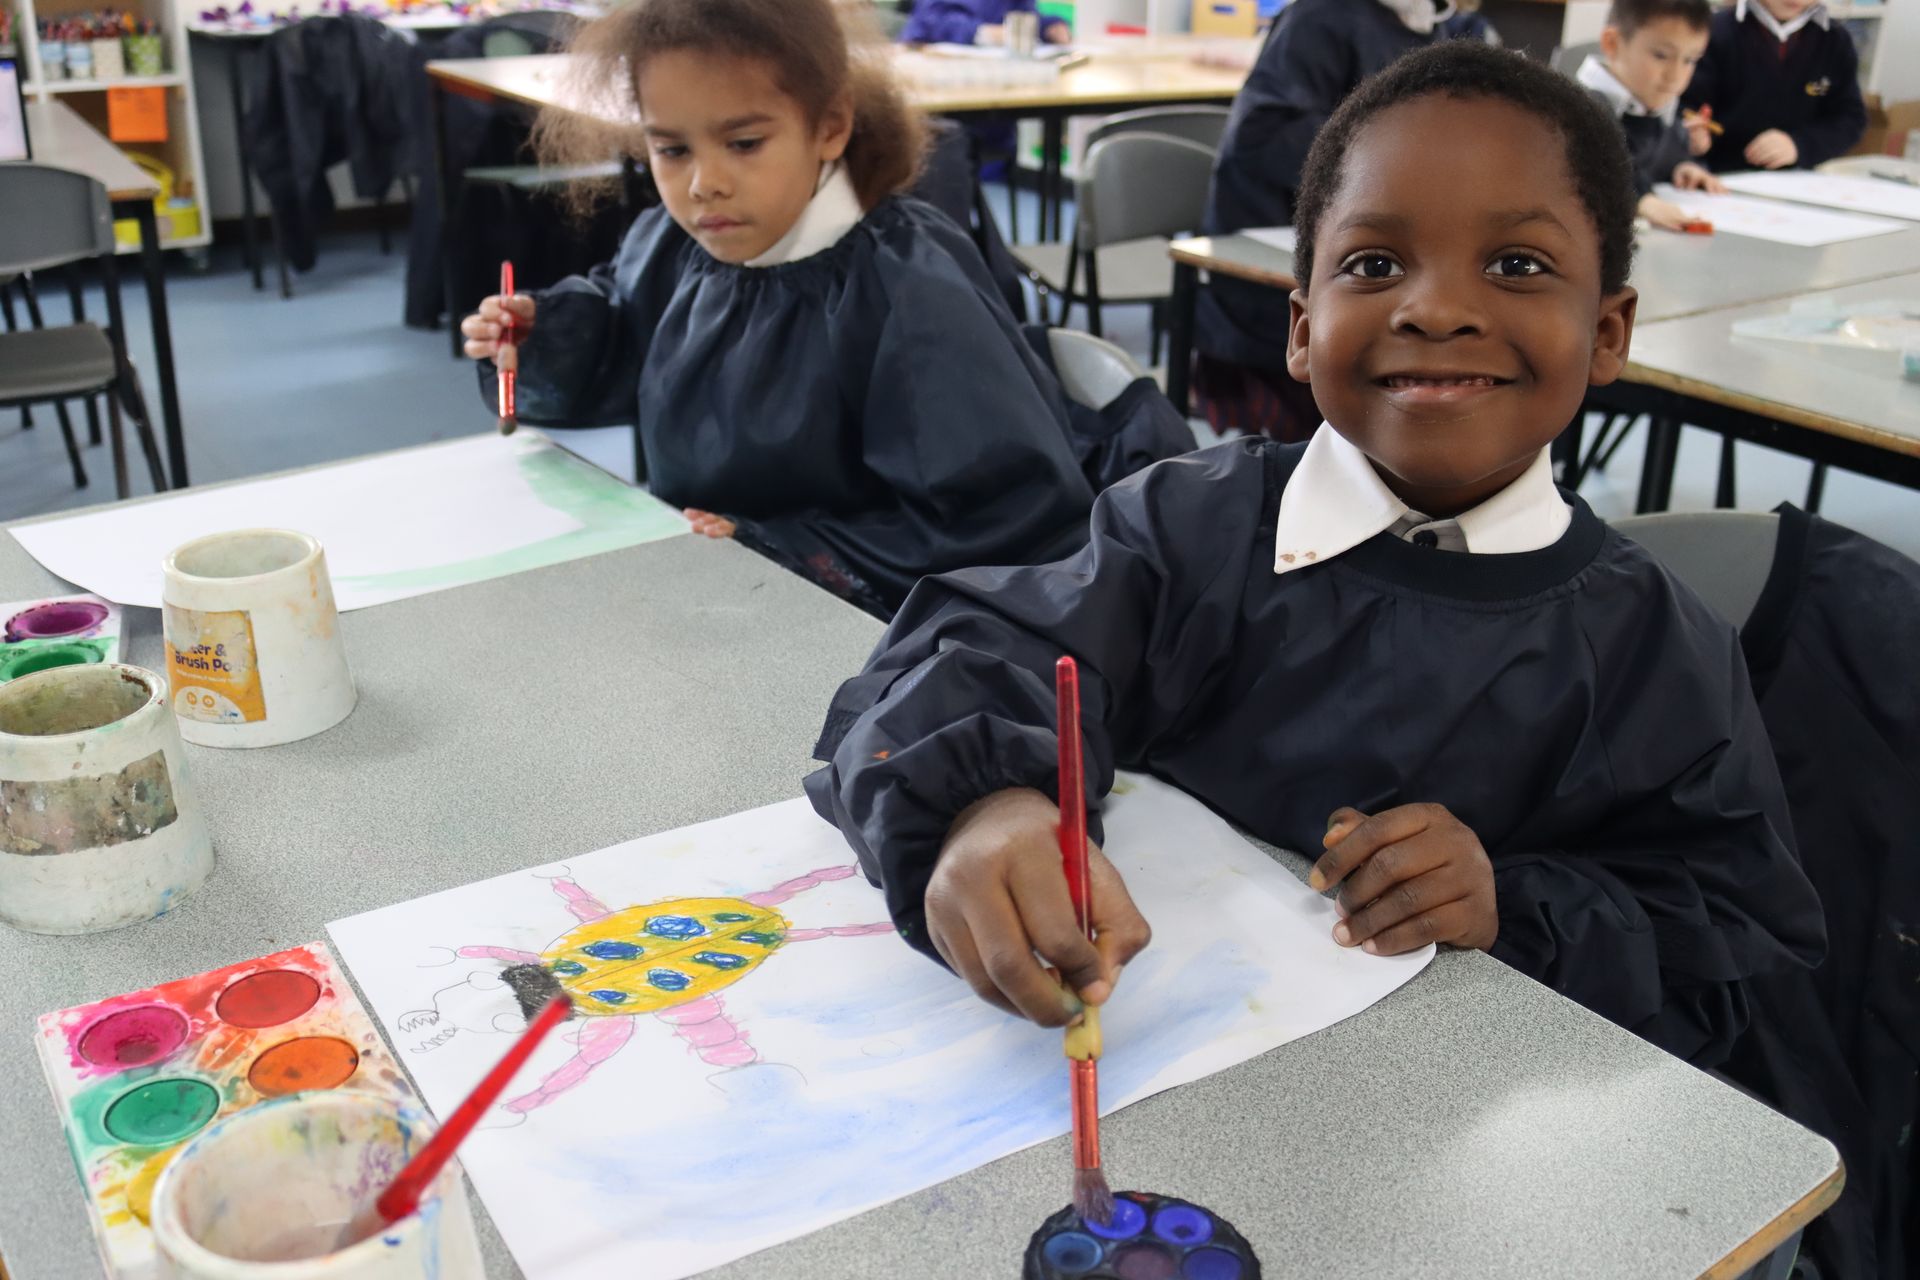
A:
(1239, 19)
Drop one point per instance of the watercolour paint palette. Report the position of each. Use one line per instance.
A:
(135, 1077)
(60, 631)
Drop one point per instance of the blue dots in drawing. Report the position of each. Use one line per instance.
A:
(758, 939)
(668, 979)
(1129, 1220)
(719, 960)
(613, 951)
(676, 927)
(1072, 1252)
(605, 996)
(730, 917)
(568, 968)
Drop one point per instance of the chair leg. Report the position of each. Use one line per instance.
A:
(77, 304)
(73, 446)
(1156, 330)
(117, 442)
(1066, 288)
(127, 388)
(13, 326)
(1093, 294)
(1609, 447)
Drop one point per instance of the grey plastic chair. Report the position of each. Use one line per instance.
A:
(1725, 556)
(1092, 371)
(1567, 58)
(1203, 125)
(1138, 190)
(54, 217)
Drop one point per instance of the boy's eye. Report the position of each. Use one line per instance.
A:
(1517, 264)
(745, 144)
(1371, 266)
(666, 152)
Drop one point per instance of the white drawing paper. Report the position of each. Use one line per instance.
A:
(1776, 220)
(395, 525)
(1881, 196)
(811, 1065)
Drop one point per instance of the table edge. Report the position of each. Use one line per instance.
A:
(1812, 420)
(1227, 267)
(1743, 1257)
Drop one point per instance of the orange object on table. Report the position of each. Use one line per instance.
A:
(137, 115)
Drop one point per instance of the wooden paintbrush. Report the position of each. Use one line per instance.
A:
(509, 414)
(1092, 1199)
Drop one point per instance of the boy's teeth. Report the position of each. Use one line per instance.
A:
(1439, 382)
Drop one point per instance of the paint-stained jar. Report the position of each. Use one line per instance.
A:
(99, 823)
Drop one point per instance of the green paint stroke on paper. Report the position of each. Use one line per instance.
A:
(612, 515)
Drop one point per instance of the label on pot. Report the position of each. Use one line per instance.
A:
(212, 667)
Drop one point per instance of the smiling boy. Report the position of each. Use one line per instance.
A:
(1507, 727)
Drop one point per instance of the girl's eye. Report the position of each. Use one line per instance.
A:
(670, 153)
(1371, 266)
(1517, 264)
(746, 144)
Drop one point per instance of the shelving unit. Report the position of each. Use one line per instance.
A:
(181, 152)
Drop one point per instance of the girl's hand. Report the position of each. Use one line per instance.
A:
(1408, 876)
(482, 330)
(1772, 150)
(1662, 213)
(1689, 176)
(713, 526)
(999, 894)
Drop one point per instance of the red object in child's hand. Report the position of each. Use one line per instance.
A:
(509, 414)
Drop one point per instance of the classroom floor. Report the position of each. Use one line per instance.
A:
(267, 384)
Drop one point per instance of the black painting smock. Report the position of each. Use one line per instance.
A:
(867, 414)
(1588, 717)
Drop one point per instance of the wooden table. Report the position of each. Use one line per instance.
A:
(62, 139)
(1472, 1124)
(1696, 371)
(1240, 256)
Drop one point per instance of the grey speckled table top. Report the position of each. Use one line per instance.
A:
(1473, 1124)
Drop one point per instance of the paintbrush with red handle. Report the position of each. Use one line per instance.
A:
(509, 414)
(402, 1197)
(1092, 1199)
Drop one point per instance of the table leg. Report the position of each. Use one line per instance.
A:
(1053, 132)
(1723, 489)
(1186, 291)
(236, 74)
(154, 269)
(443, 189)
(1656, 473)
(1816, 487)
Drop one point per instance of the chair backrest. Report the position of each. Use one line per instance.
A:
(1203, 125)
(1139, 185)
(1567, 58)
(52, 217)
(515, 35)
(1725, 556)
(1092, 371)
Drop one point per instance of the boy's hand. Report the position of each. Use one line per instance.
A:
(999, 894)
(1689, 176)
(483, 329)
(1056, 33)
(1662, 213)
(705, 522)
(1408, 876)
(1772, 150)
(1699, 137)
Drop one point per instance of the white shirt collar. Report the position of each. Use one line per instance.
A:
(1781, 30)
(1336, 501)
(1421, 15)
(833, 211)
(1596, 75)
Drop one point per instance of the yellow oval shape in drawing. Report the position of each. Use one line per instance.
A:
(645, 959)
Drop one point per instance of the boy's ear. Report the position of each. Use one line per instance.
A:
(1612, 336)
(1297, 332)
(1610, 43)
(836, 128)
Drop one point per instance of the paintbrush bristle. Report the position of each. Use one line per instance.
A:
(1092, 1199)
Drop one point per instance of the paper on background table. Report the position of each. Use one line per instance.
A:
(1775, 220)
(394, 526)
(878, 1073)
(1836, 191)
(1278, 237)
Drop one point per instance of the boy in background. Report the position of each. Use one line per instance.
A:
(1648, 52)
(1783, 82)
